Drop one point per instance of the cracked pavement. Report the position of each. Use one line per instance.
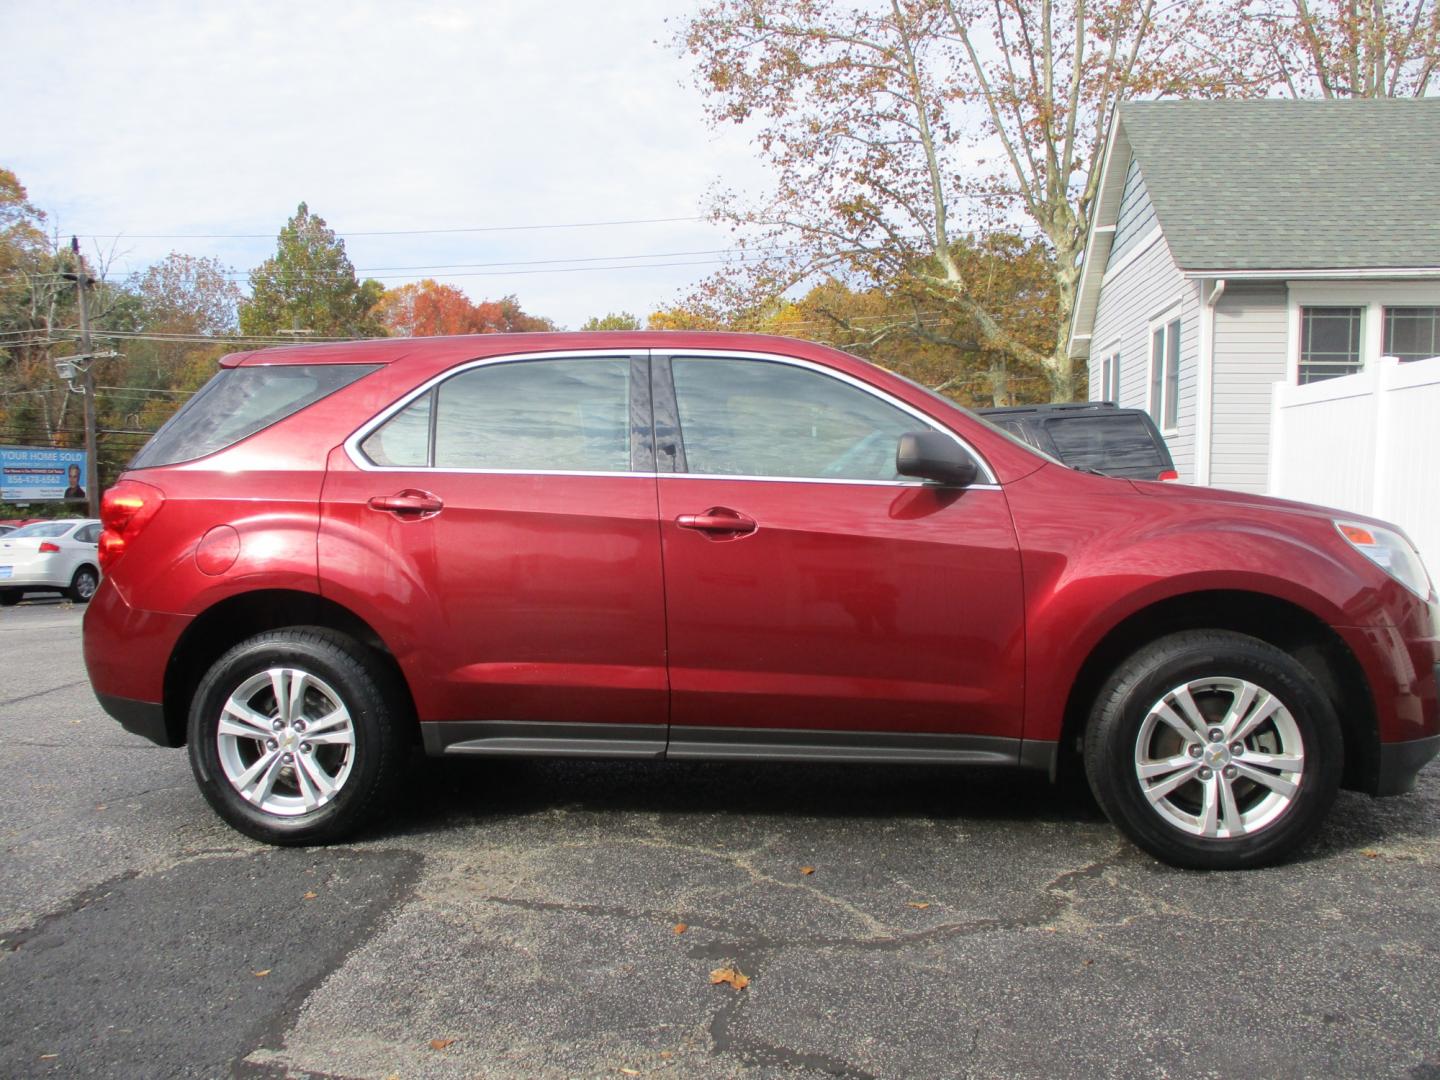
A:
(517, 919)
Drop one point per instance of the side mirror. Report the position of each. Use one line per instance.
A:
(933, 456)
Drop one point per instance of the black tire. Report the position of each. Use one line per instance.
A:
(379, 726)
(10, 597)
(1114, 749)
(83, 584)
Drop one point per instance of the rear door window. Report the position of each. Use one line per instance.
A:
(237, 403)
(570, 415)
(1105, 443)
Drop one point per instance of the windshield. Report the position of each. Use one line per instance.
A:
(43, 529)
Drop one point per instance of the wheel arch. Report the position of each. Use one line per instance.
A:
(236, 618)
(1281, 623)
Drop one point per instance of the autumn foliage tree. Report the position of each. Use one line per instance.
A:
(183, 300)
(428, 309)
(897, 134)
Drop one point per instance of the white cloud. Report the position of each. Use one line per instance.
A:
(183, 118)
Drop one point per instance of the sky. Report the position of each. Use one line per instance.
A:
(147, 128)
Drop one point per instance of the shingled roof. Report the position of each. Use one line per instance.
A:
(1265, 187)
(1292, 185)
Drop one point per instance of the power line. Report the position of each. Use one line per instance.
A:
(397, 232)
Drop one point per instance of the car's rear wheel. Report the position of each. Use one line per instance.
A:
(83, 585)
(296, 736)
(1214, 750)
(10, 597)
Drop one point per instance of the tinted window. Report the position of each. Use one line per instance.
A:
(1105, 443)
(535, 416)
(404, 439)
(758, 418)
(88, 535)
(238, 402)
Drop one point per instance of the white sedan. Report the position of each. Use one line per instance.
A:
(50, 556)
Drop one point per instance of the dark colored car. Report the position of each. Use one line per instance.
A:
(730, 547)
(1093, 435)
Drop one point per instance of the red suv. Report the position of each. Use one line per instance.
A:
(728, 547)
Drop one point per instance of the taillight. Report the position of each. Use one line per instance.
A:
(1168, 474)
(124, 511)
(47, 548)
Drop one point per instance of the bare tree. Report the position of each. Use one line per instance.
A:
(1346, 48)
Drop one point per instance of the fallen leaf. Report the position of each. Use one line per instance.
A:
(731, 976)
(262, 974)
(440, 1044)
(919, 905)
(629, 1072)
(807, 870)
(310, 896)
(667, 1054)
(101, 806)
(680, 928)
(1370, 853)
(48, 1057)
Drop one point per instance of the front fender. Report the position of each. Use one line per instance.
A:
(1096, 554)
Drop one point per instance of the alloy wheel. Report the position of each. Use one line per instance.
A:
(1219, 758)
(286, 741)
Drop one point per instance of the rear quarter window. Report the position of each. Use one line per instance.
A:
(237, 403)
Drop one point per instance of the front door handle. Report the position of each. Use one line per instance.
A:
(408, 504)
(718, 519)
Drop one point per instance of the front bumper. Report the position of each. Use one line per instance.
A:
(1401, 762)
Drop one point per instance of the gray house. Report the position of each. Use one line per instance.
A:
(1236, 244)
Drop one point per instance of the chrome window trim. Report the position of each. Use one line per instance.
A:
(859, 384)
(360, 461)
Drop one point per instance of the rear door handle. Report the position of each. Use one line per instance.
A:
(408, 503)
(718, 519)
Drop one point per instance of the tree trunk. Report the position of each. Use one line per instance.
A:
(1059, 367)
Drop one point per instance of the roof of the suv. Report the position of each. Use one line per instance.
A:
(476, 346)
(1053, 408)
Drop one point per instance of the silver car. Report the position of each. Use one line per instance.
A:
(50, 556)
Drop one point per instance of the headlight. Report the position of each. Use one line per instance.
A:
(1391, 552)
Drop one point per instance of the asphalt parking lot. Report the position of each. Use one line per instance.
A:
(563, 920)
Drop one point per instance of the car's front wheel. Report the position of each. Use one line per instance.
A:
(1214, 750)
(296, 736)
(10, 597)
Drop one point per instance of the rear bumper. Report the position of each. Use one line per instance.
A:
(144, 718)
(127, 651)
(36, 580)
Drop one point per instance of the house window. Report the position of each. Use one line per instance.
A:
(1110, 378)
(1412, 333)
(1330, 340)
(1165, 374)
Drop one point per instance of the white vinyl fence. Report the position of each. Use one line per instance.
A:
(1369, 443)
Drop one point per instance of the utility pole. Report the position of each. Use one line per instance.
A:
(87, 383)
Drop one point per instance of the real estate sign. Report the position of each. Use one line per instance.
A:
(41, 474)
